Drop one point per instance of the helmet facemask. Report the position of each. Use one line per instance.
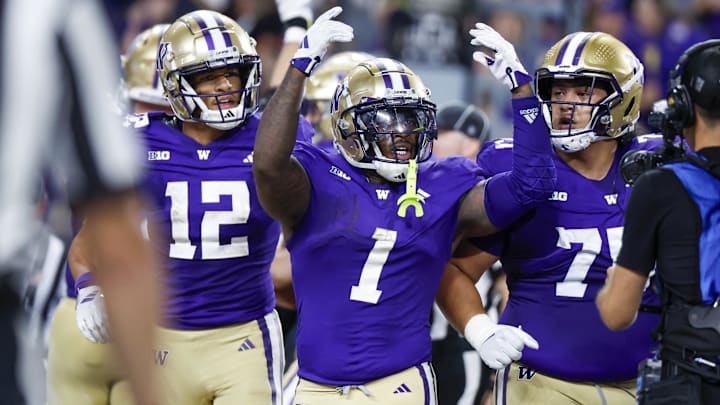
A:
(221, 118)
(575, 138)
(388, 134)
(595, 60)
(200, 42)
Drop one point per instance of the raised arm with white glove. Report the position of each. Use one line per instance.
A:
(90, 311)
(499, 56)
(510, 195)
(498, 345)
(314, 46)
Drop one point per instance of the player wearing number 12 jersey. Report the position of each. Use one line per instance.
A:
(221, 341)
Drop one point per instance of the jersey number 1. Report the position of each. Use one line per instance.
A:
(367, 288)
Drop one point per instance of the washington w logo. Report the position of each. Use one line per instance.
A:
(526, 373)
(203, 154)
(382, 194)
(611, 199)
(160, 356)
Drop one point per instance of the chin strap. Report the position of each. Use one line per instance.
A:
(411, 198)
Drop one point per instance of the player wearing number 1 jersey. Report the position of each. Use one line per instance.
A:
(556, 258)
(370, 229)
(221, 341)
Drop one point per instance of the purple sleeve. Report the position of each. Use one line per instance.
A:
(509, 195)
(305, 130)
(495, 157)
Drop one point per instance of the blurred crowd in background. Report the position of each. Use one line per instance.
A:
(431, 36)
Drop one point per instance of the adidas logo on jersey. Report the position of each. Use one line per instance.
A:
(158, 155)
(530, 114)
(334, 170)
(203, 154)
(248, 159)
(402, 389)
(246, 345)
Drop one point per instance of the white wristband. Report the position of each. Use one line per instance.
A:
(478, 329)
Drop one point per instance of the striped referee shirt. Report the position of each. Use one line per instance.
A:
(58, 69)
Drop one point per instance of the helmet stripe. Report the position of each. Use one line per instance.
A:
(388, 81)
(393, 76)
(207, 23)
(584, 42)
(398, 80)
(406, 81)
(206, 33)
(225, 34)
(573, 48)
(561, 53)
(381, 65)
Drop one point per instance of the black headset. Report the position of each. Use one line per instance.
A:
(680, 113)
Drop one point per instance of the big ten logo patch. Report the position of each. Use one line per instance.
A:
(525, 373)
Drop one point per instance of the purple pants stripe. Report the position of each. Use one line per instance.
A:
(426, 384)
(268, 356)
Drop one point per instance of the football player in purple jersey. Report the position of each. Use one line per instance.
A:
(75, 364)
(556, 257)
(370, 229)
(220, 340)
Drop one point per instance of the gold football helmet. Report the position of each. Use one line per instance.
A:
(382, 102)
(603, 62)
(200, 41)
(321, 85)
(140, 79)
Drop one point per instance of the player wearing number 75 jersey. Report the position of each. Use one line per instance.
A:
(556, 258)
(369, 229)
(221, 341)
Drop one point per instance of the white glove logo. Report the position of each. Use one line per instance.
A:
(499, 56)
(90, 314)
(314, 46)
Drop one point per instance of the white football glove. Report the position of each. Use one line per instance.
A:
(296, 16)
(314, 46)
(499, 56)
(498, 345)
(90, 314)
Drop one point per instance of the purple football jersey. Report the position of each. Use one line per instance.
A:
(216, 239)
(556, 260)
(364, 277)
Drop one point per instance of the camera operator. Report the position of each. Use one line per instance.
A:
(673, 222)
